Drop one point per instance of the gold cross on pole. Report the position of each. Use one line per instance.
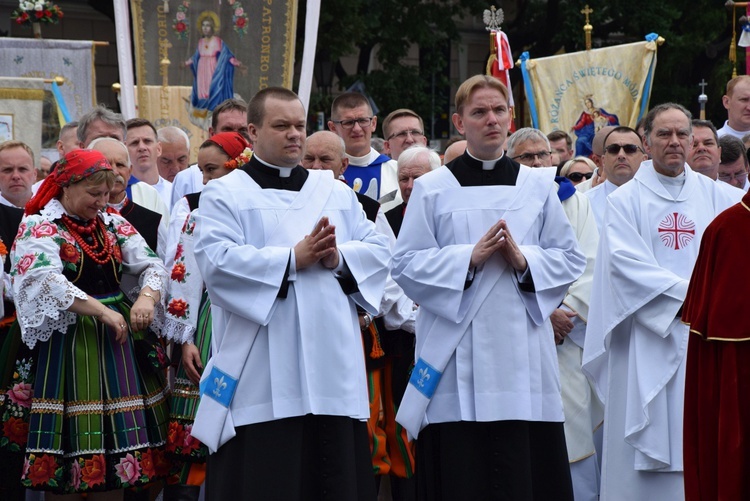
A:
(587, 28)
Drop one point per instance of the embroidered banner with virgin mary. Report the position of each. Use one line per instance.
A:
(584, 91)
(223, 49)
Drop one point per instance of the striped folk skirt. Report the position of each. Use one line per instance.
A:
(84, 412)
(181, 445)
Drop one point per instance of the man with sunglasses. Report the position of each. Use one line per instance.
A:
(623, 154)
(369, 173)
(583, 412)
(635, 345)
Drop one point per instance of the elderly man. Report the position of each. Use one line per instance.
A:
(733, 168)
(144, 149)
(100, 122)
(385, 345)
(635, 343)
(561, 143)
(454, 150)
(229, 116)
(175, 152)
(416, 161)
(369, 172)
(150, 224)
(623, 154)
(583, 411)
(276, 245)
(476, 251)
(737, 103)
(17, 173)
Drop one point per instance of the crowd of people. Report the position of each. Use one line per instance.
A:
(332, 317)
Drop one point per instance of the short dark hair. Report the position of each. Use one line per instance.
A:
(68, 126)
(230, 104)
(256, 108)
(558, 134)
(661, 108)
(140, 122)
(401, 112)
(623, 129)
(732, 149)
(708, 125)
(349, 100)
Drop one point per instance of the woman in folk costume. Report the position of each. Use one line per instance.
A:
(188, 322)
(86, 402)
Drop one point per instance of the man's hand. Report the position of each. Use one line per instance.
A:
(498, 238)
(317, 246)
(191, 362)
(561, 324)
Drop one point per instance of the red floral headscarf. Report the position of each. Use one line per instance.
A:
(72, 168)
(235, 145)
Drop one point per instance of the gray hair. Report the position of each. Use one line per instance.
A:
(648, 126)
(100, 112)
(102, 139)
(525, 134)
(172, 134)
(410, 155)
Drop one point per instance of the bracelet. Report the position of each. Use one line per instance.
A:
(148, 295)
(368, 320)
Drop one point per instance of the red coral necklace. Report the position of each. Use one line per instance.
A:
(101, 249)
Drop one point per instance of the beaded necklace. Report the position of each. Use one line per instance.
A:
(100, 251)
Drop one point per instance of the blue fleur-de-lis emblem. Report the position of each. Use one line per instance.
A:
(220, 385)
(67, 61)
(424, 376)
(18, 59)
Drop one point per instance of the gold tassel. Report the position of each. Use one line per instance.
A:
(377, 350)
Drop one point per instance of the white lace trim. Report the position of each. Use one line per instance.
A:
(44, 451)
(157, 397)
(42, 307)
(177, 331)
(114, 451)
(55, 210)
(37, 406)
(89, 407)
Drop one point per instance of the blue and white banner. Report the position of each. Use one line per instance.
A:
(584, 91)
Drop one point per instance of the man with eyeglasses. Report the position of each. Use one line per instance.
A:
(635, 343)
(582, 409)
(402, 129)
(369, 173)
(623, 154)
(486, 251)
(734, 164)
(705, 157)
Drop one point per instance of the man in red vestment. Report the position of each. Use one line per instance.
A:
(717, 383)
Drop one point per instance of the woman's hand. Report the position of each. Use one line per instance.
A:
(191, 362)
(116, 322)
(142, 313)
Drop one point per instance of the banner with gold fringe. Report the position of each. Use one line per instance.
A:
(584, 91)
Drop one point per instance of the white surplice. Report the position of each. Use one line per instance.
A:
(292, 356)
(504, 366)
(635, 345)
(598, 200)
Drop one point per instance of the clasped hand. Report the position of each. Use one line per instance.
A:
(318, 246)
(498, 239)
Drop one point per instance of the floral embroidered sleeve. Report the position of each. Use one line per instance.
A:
(139, 260)
(185, 288)
(42, 294)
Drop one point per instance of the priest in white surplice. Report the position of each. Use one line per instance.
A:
(487, 252)
(635, 343)
(286, 253)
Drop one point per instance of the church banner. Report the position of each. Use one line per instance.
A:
(584, 91)
(231, 48)
(21, 101)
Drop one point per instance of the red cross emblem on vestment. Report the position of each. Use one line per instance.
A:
(676, 230)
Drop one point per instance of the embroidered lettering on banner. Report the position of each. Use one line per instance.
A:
(220, 386)
(676, 230)
(425, 378)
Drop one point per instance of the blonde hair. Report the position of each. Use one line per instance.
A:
(467, 88)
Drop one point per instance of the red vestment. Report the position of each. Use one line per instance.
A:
(717, 382)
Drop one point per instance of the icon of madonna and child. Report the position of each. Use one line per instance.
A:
(213, 65)
(589, 123)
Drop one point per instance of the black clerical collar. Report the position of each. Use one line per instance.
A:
(470, 171)
(274, 169)
(268, 176)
